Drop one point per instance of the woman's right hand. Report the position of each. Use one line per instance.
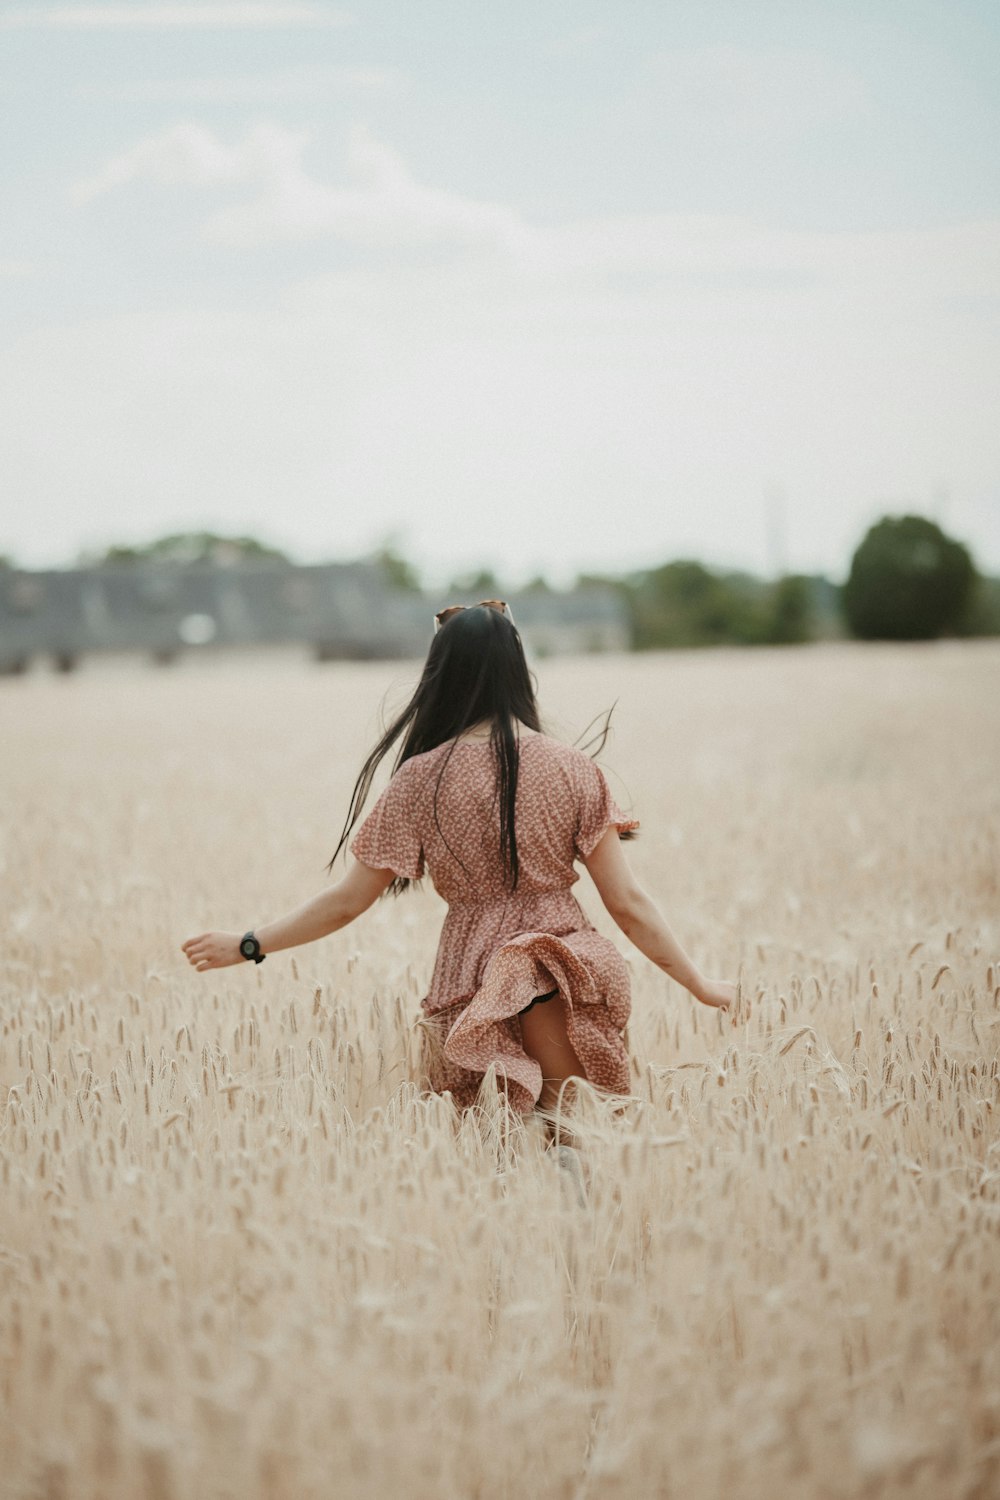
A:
(719, 993)
(213, 950)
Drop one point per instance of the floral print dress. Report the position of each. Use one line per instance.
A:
(500, 949)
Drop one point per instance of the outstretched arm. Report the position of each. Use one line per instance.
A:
(642, 923)
(325, 913)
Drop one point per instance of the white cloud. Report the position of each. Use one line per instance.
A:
(384, 206)
(540, 419)
(593, 393)
(133, 16)
(189, 155)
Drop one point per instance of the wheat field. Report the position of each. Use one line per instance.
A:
(244, 1253)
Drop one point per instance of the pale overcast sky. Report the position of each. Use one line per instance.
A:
(550, 285)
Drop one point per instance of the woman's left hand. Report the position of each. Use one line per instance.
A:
(721, 993)
(213, 950)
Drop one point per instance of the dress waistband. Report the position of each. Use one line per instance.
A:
(511, 898)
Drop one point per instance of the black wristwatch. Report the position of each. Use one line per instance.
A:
(250, 948)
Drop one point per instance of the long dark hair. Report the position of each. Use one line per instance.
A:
(475, 670)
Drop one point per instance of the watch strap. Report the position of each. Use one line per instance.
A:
(250, 948)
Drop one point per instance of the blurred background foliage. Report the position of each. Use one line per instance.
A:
(684, 603)
(187, 547)
(907, 580)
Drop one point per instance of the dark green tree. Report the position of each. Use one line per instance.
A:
(908, 582)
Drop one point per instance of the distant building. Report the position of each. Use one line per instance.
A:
(338, 611)
(590, 617)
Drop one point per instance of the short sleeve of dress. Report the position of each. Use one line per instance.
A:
(597, 810)
(388, 838)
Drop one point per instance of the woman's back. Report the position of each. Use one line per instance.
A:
(441, 812)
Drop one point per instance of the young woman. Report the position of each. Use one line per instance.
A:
(498, 812)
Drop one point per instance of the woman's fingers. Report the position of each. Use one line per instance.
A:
(720, 994)
(198, 951)
(212, 950)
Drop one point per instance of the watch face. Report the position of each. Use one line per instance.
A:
(248, 947)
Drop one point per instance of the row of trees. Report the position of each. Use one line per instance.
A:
(681, 603)
(907, 581)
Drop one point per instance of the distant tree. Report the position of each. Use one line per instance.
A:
(190, 547)
(116, 554)
(600, 580)
(908, 581)
(790, 611)
(684, 603)
(484, 584)
(397, 571)
(983, 614)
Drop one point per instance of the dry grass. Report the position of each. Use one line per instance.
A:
(241, 1254)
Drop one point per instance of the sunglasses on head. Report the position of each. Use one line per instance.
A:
(444, 615)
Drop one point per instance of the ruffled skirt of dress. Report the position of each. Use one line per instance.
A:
(466, 1036)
